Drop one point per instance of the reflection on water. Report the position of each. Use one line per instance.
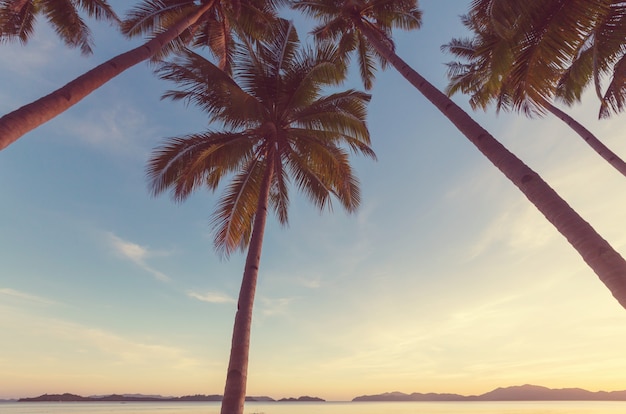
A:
(526, 407)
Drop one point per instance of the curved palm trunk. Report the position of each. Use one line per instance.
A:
(590, 139)
(595, 251)
(236, 379)
(17, 123)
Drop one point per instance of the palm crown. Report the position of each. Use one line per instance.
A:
(276, 124)
(483, 72)
(17, 19)
(222, 20)
(344, 21)
(538, 51)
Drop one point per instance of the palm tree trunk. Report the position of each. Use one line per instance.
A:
(590, 139)
(236, 378)
(595, 251)
(17, 123)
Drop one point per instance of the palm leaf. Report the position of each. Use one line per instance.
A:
(17, 24)
(183, 164)
(233, 218)
(367, 65)
(68, 24)
(149, 15)
(306, 76)
(279, 194)
(208, 87)
(615, 96)
(99, 10)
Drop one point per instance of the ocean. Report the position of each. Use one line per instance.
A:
(525, 407)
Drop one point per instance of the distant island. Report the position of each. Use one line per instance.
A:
(152, 398)
(516, 393)
(301, 399)
(67, 397)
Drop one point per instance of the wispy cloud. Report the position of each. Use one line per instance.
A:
(26, 296)
(137, 254)
(273, 307)
(102, 344)
(128, 350)
(119, 130)
(312, 282)
(520, 227)
(36, 56)
(267, 306)
(212, 297)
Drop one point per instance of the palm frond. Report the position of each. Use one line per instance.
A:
(257, 20)
(252, 73)
(347, 44)
(356, 145)
(151, 16)
(314, 186)
(345, 22)
(233, 219)
(69, 26)
(464, 48)
(333, 30)
(99, 10)
(388, 14)
(411, 20)
(208, 87)
(321, 169)
(367, 65)
(348, 101)
(217, 33)
(280, 50)
(279, 194)
(576, 77)
(18, 24)
(17, 19)
(183, 164)
(309, 72)
(615, 96)
(607, 42)
(321, 10)
(547, 49)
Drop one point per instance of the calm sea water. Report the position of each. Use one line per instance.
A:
(557, 407)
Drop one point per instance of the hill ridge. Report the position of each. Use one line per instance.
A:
(525, 392)
(68, 397)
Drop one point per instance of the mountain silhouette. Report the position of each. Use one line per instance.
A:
(515, 393)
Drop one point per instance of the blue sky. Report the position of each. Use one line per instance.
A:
(446, 279)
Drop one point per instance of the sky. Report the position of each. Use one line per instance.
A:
(445, 280)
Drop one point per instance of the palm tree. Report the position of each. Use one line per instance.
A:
(577, 42)
(279, 131)
(17, 19)
(170, 23)
(365, 26)
(485, 74)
